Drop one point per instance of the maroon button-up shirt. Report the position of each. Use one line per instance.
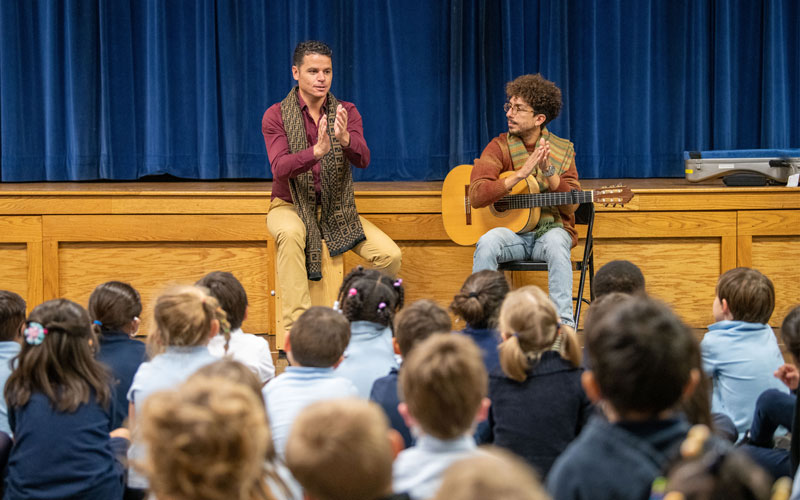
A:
(286, 165)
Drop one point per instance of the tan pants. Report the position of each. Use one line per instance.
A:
(289, 233)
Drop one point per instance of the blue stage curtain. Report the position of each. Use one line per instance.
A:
(111, 89)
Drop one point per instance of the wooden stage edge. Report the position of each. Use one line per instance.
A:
(62, 239)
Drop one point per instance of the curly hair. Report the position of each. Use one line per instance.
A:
(206, 441)
(310, 47)
(370, 295)
(542, 95)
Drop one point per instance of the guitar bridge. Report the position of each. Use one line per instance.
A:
(467, 206)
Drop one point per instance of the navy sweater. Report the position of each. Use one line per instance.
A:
(122, 355)
(538, 418)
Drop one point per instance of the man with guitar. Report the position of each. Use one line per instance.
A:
(546, 163)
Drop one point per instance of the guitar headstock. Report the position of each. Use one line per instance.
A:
(613, 195)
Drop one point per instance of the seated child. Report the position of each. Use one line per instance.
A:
(443, 388)
(279, 480)
(115, 308)
(12, 323)
(740, 351)
(343, 450)
(621, 276)
(206, 440)
(641, 359)
(497, 474)
(59, 408)
(251, 350)
(186, 318)
(314, 347)
(413, 324)
(369, 300)
(478, 303)
(538, 404)
(776, 408)
(707, 470)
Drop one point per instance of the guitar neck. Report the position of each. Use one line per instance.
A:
(515, 201)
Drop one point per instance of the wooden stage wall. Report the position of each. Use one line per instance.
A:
(61, 240)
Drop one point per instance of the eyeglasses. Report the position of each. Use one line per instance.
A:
(516, 107)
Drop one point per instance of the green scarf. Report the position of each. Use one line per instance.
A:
(550, 216)
(338, 223)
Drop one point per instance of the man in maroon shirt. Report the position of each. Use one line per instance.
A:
(312, 139)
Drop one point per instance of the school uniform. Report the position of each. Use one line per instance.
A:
(248, 349)
(166, 371)
(369, 355)
(122, 355)
(418, 470)
(8, 349)
(615, 461)
(539, 417)
(384, 392)
(488, 341)
(296, 388)
(62, 455)
(740, 358)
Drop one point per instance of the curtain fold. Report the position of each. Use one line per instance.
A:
(120, 90)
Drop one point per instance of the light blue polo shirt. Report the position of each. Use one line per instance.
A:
(8, 350)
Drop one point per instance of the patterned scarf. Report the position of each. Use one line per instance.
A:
(338, 223)
(550, 216)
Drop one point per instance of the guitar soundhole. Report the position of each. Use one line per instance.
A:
(500, 208)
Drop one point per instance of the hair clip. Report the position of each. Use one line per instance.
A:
(382, 306)
(398, 282)
(97, 322)
(34, 333)
(473, 295)
(352, 292)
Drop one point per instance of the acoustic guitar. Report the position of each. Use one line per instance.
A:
(518, 211)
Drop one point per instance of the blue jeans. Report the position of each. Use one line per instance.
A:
(503, 245)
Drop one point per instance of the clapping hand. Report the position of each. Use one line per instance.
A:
(789, 375)
(340, 127)
(323, 144)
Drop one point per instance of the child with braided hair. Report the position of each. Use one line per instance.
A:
(369, 300)
(186, 318)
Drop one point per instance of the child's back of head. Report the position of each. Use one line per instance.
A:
(419, 321)
(12, 315)
(478, 302)
(369, 295)
(340, 450)
(186, 316)
(443, 383)
(529, 324)
(115, 306)
(230, 294)
(57, 359)
(497, 474)
(318, 338)
(206, 440)
(642, 357)
(709, 470)
(790, 332)
(620, 276)
(749, 295)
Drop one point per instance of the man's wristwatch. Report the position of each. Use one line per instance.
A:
(550, 171)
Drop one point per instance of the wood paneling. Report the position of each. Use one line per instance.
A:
(152, 267)
(64, 239)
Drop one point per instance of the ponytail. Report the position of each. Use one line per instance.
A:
(513, 361)
(570, 347)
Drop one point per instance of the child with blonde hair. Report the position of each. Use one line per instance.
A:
(206, 440)
(343, 450)
(497, 474)
(443, 388)
(538, 404)
(186, 318)
(60, 406)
